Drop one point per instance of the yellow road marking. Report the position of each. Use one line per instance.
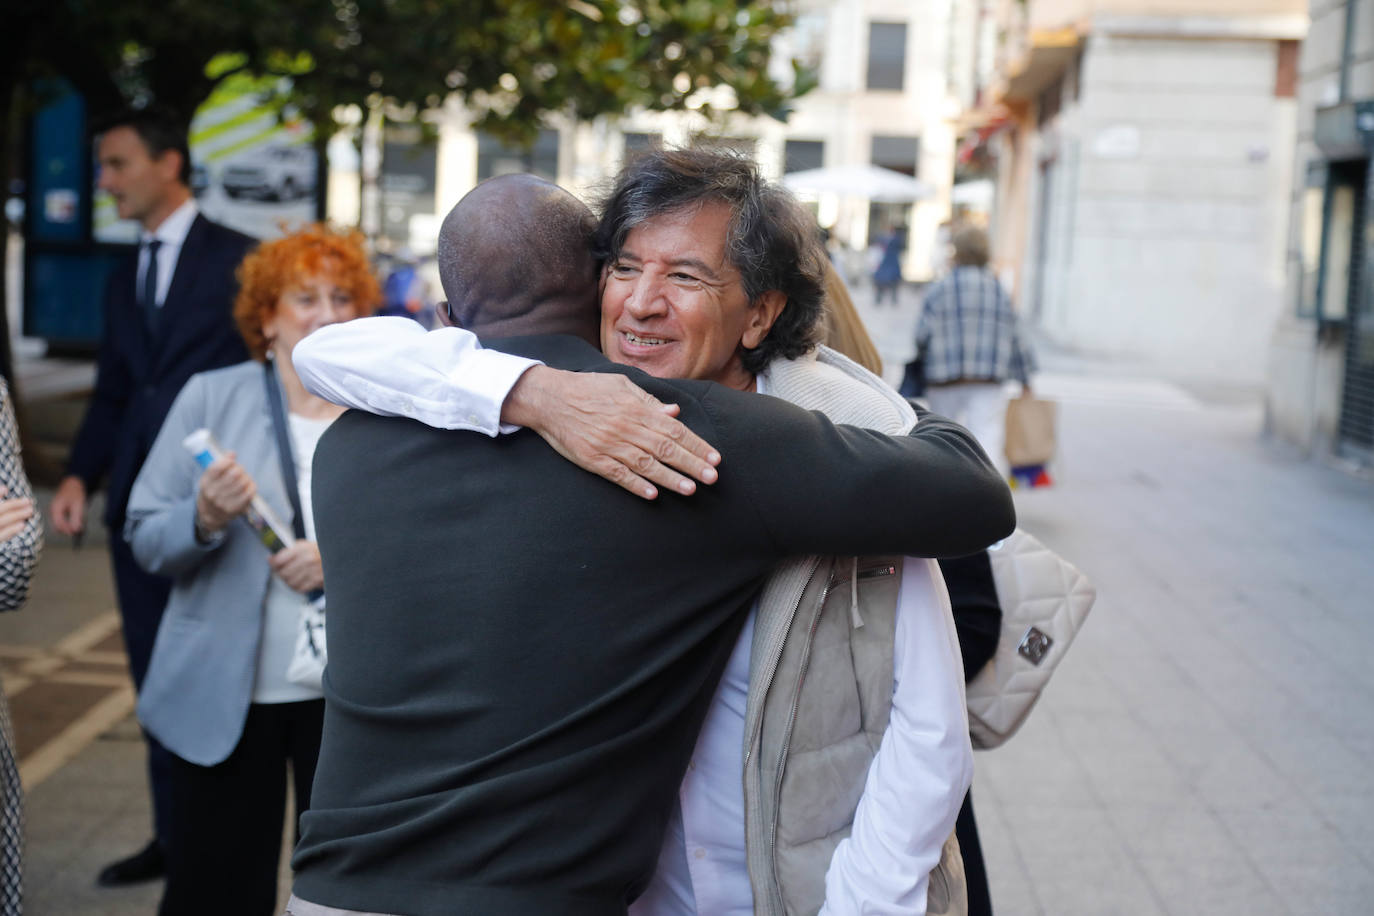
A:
(90, 678)
(88, 635)
(46, 760)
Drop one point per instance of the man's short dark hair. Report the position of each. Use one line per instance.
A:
(771, 240)
(159, 129)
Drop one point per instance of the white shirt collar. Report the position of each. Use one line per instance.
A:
(172, 231)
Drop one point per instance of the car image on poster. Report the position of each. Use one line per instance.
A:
(252, 165)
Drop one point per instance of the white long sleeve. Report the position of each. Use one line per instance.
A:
(393, 367)
(923, 767)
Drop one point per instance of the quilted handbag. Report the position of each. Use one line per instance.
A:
(1044, 599)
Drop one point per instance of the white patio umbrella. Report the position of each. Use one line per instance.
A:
(868, 181)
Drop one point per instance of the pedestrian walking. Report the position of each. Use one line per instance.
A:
(167, 317)
(217, 694)
(888, 274)
(969, 341)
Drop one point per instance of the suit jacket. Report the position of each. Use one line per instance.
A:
(200, 681)
(138, 376)
(521, 653)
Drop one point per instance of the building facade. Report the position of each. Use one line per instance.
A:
(1321, 381)
(883, 98)
(1142, 152)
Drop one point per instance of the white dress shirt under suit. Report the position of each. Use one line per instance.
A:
(171, 235)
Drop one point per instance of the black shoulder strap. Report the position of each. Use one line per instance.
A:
(288, 460)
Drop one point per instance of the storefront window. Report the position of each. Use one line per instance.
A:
(1312, 200)
(1335, 288)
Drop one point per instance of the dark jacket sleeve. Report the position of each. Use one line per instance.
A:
(977, 611)
(93, 450)
(823, 488)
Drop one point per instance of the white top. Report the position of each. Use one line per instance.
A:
(282, 607)
(172, 234)
(923, 767)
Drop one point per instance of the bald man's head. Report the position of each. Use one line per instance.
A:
(515, 258)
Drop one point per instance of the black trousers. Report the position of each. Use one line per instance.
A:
(142, 599)
(225, 843)
(975, 873)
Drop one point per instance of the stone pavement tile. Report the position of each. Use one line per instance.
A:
(1218, 885)
(1123, 763)
(1348, 813)
(1240, 777)
(1013, 892)
(1039, 770)
(1305, 749)
(88, 813)
(1193, 860)
(1078, 864)
(1307, 860)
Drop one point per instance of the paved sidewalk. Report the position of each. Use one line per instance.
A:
(81, 754)
(1204, 748)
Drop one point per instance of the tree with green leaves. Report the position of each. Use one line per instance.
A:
(512, 62)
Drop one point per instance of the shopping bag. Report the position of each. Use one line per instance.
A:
(1030, 431)
(311, 654)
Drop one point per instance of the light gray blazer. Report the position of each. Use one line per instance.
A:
(200, 681)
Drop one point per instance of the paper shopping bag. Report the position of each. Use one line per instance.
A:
(1030, 431)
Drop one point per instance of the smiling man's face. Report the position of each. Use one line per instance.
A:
(675, 307)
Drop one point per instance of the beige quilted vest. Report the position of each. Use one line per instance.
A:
(821, 680)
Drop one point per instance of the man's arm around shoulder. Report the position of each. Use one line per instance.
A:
(824, 488)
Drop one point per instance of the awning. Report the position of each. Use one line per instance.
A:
(980, 135)
(1051, 52)
(867, 181)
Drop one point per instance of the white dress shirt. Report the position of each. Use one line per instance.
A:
(924, 764)
(393, 366)
(171, 232)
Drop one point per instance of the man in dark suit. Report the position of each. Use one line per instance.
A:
(167, 317)
(521, 655)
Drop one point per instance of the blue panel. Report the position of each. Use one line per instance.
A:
(64, 295)
(59, 191)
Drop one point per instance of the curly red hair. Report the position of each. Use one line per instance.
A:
(274, 266)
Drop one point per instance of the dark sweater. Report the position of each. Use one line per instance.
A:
(521, 654)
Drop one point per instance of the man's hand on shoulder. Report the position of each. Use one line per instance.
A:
(610, 426)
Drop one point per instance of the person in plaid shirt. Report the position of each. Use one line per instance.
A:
(970, 342)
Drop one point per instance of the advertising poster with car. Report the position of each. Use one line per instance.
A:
(252, 165)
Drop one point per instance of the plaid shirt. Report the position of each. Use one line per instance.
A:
(969, 332)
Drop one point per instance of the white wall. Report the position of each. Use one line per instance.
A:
(1171, 242)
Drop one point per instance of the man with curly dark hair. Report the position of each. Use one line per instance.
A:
(738, 254)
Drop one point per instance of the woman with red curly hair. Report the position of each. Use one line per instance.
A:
(217, 692)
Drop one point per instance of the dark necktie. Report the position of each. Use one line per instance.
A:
(147, 290)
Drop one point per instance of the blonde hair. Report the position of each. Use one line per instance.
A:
(844, 330)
